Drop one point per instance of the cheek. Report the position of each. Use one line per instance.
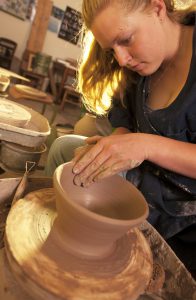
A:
(142, 47)
(149, 51)
(141, 51)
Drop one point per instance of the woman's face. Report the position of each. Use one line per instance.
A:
(136, 39)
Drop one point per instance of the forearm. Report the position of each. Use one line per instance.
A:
(124, 150)
(173, 155)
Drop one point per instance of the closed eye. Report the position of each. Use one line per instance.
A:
(125, 42)
(122, 42)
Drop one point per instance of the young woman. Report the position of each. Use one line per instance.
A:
(145, 52)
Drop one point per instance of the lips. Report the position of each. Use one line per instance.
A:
(136, 67)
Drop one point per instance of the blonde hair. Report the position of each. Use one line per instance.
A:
(98, 70)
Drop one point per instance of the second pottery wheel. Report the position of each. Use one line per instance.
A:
(47, 267)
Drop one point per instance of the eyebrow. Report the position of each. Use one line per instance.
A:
(114, 41)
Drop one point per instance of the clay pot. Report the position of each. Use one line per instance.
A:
(92, 219)
(86, 126)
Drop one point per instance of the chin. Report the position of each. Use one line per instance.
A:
(144, 73)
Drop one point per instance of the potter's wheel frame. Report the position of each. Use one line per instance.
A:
(30, 232)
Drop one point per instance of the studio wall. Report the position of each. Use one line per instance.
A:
(18, 30)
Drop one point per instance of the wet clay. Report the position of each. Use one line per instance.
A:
(62, 244)
(92, 219)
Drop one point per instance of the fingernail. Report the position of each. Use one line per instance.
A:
(87, 184)
(77, 181)
(75, 170)
(72, 170)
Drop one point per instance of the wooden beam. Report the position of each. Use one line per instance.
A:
(40, 25)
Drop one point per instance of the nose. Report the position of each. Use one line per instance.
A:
(122, 56)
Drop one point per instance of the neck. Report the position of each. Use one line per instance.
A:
(178, 56)
(174, 35)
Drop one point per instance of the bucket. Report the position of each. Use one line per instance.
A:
(14, 156)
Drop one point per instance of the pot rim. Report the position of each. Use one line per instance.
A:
(98, 217)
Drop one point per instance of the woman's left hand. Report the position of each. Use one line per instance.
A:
(110, 155)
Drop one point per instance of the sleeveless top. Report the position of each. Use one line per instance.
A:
(171, 196)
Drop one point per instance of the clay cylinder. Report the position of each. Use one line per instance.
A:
(91, 220)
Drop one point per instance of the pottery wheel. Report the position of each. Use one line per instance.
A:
(45, 269)
(13, 114)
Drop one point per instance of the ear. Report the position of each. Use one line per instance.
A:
(159, 8)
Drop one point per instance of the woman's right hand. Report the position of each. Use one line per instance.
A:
(80, 151)
(110, 155)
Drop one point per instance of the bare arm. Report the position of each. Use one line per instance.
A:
(120, 151)
(170, 154)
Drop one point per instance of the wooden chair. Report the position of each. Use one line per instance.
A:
(63, 73)
(70, 96)
(7, 50)
(29, 69)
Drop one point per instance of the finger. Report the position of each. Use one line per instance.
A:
(80, 151)
(93, 139)
(101, 173)
(91, 171)
(104, 169)
(110, 168)
(87, 159)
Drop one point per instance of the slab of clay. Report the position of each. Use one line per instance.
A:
(42, 265)
(13, 114)
(27, 90)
